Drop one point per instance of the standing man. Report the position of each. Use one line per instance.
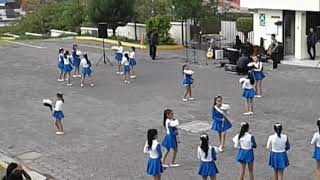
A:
(273, 51)
(311, 43)
(153, 42)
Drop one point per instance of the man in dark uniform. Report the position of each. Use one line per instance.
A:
(311, 43)
(153, 42)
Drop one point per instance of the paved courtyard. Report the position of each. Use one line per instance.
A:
(105, 126)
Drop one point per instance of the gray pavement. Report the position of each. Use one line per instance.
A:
(105, 126)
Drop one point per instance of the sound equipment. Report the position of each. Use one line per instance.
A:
(102, 30)
(218, 54)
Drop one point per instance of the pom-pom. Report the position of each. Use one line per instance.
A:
(242, 80)
(225, 107)
(48, 103)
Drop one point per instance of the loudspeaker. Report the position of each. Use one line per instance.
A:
(102, 30)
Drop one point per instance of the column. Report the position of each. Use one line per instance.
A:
(300, 35)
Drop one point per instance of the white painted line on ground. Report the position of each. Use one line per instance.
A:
(28, 45)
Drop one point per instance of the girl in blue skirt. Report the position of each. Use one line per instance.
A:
(170, 140)
(132, 61)
(207, 155)
(258, 75)
(153, 148)
(316, 155)
(220, 119)
(248, 93)
(86, 70)
(187, 82)
(279, 145)
(67, 67)
(60, 64)
(126, 67)
(118, 57)
(58, 114)
(245, 142)
(76, 60)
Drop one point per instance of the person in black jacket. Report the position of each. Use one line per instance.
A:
(153, 42)
(15, 172)
(311, 43)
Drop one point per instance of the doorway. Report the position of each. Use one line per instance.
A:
(289, 18)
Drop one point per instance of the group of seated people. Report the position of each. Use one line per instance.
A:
(16, 172)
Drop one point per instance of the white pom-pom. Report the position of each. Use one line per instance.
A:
(190, 72)
(225, 107)
(241, 80)
(47, 101)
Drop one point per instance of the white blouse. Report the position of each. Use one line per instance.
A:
(277, 144)
(58, 105)
(202, 155)
(316, 139)
(153, 153)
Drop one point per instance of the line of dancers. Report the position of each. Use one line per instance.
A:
(67, 62)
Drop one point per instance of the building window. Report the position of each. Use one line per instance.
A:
(313, 21)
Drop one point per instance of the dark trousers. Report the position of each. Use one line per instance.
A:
(153, 51)
(275, 62)
(313, 47)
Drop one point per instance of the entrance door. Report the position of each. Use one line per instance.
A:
(289, 32)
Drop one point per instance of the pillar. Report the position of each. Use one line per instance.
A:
(300, 35)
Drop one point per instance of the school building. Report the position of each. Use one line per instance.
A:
(289, 20)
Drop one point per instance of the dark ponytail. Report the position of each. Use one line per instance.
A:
(127, 56)
(278, 129)
(165, 116)
(251, 77)
(204, 143)
(318, 124)
(65, 55)
(87, 59)
(183, 67)
(60, 50)
(215, 99)
(243, 130)
(151, 136)
(60, 95)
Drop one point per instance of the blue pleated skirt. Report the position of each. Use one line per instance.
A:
(248, 93)
(221, 126)
(316, 154)
(132, 62)
(67, 68)
(245, 156)
(126, 69)
(76, 62)
(278, 160)
(187, 82)
(58, 115)
(118, 57)
(258, 75)
(154, 167)
(170, 142)
(61, 66)
(86, 71)
(208, 169)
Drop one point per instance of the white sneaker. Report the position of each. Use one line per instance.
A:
(60, 80)
(69, 84)
(79, 75)
(220, 149)
(174, 165)
(247, 113)
(59, 133)
(125, 81)
(250, 113)
(92, 85)
(191, 98)
(117, 72)
(184, 99)
(81, 85)
(132, 77)
(121, 72)
(74, 76)
(165, 165)
(258, 96)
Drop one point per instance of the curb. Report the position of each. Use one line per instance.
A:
(8, 38)
(127, 44)
(4, 159)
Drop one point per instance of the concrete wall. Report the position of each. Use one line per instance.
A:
(296, 5)
(128, 31)
(271, 16)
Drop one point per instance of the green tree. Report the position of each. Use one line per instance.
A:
(245, 25)
(114, 12)
(160, 24)
(144, 9)
(74, 14)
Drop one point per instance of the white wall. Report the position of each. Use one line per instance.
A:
(298, 5)
(271, 16)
